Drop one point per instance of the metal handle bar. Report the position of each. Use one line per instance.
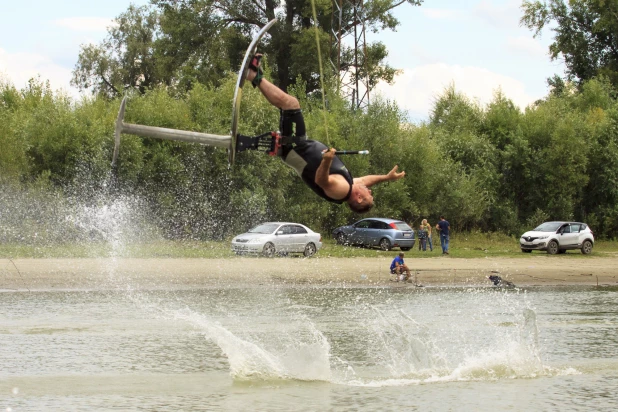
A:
(351, 152)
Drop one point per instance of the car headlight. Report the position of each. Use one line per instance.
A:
(254, 240)
(542, 237)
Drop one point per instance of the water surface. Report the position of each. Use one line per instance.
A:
(305, 348)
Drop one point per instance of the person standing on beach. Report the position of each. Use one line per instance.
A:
(422, 238)
(445, 230)
(428, 228)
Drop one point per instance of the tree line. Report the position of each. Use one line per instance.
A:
(180, 43)
(491, 167)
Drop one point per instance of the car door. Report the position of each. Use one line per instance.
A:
(285, 238)
(377, 231)
(581, 236)
(569, 236)
(360, 234)
(300, 239)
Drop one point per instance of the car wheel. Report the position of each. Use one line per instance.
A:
(269, 250)
(385, 244)
(527, 250)
(309, 250)
(586, 247)
(405, 249)
(340, 238)
(552, 247)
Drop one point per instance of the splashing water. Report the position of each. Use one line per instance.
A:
(406, 347)
(300, 351)
(359, 337)
(488, 339)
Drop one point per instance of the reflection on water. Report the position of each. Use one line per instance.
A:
(309, 348)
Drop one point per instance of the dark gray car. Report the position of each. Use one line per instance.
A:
(383, 233)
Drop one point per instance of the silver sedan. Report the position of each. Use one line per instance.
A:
(278, 238)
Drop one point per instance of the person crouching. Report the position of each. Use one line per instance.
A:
(399, 268)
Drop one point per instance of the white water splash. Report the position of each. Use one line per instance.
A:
(303, 356)
(493, 337)
(404, 346)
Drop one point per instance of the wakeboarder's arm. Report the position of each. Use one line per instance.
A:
(371, 180)
(334, 186)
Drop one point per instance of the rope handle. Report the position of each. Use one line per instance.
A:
(349, 152)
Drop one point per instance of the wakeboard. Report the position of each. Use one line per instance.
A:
(242, 75)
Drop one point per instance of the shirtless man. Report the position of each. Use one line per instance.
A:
(317, 165)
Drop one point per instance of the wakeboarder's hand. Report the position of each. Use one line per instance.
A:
(329, 154)
(393, 175)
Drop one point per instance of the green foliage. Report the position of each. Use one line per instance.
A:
(546, 162)
(492, 168)
(125, 59)
(12, 155)
(195, 47)
(585, 34)
(182, 43)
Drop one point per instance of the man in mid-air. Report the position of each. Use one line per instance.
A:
(317, 165)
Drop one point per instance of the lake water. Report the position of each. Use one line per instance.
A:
(309, 348)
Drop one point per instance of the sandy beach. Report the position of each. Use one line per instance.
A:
(93, 274)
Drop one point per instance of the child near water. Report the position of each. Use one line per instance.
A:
(422, 238)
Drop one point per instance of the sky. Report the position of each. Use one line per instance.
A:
(477, 45)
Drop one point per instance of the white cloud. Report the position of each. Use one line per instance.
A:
(18, 68)
(416, 89)
(85, 23)
(503, 16)
(527, 45)
(440, 14)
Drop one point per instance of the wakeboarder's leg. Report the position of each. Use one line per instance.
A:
(273, 94)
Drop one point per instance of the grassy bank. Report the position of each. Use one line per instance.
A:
(463, 245)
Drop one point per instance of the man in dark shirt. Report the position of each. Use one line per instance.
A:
(445, 229)
(317, 165)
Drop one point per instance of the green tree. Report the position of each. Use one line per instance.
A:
(558, 147)
(292, 47)
(456, 122)
(13, 153)
(125, 58)
(585, 34)
(184, 42)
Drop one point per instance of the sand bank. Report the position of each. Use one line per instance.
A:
(94, 274)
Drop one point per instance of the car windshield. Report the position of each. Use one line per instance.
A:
(265, 229)
(548, 227)
(402, 226)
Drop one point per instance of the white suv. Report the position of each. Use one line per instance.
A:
(558, 237)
